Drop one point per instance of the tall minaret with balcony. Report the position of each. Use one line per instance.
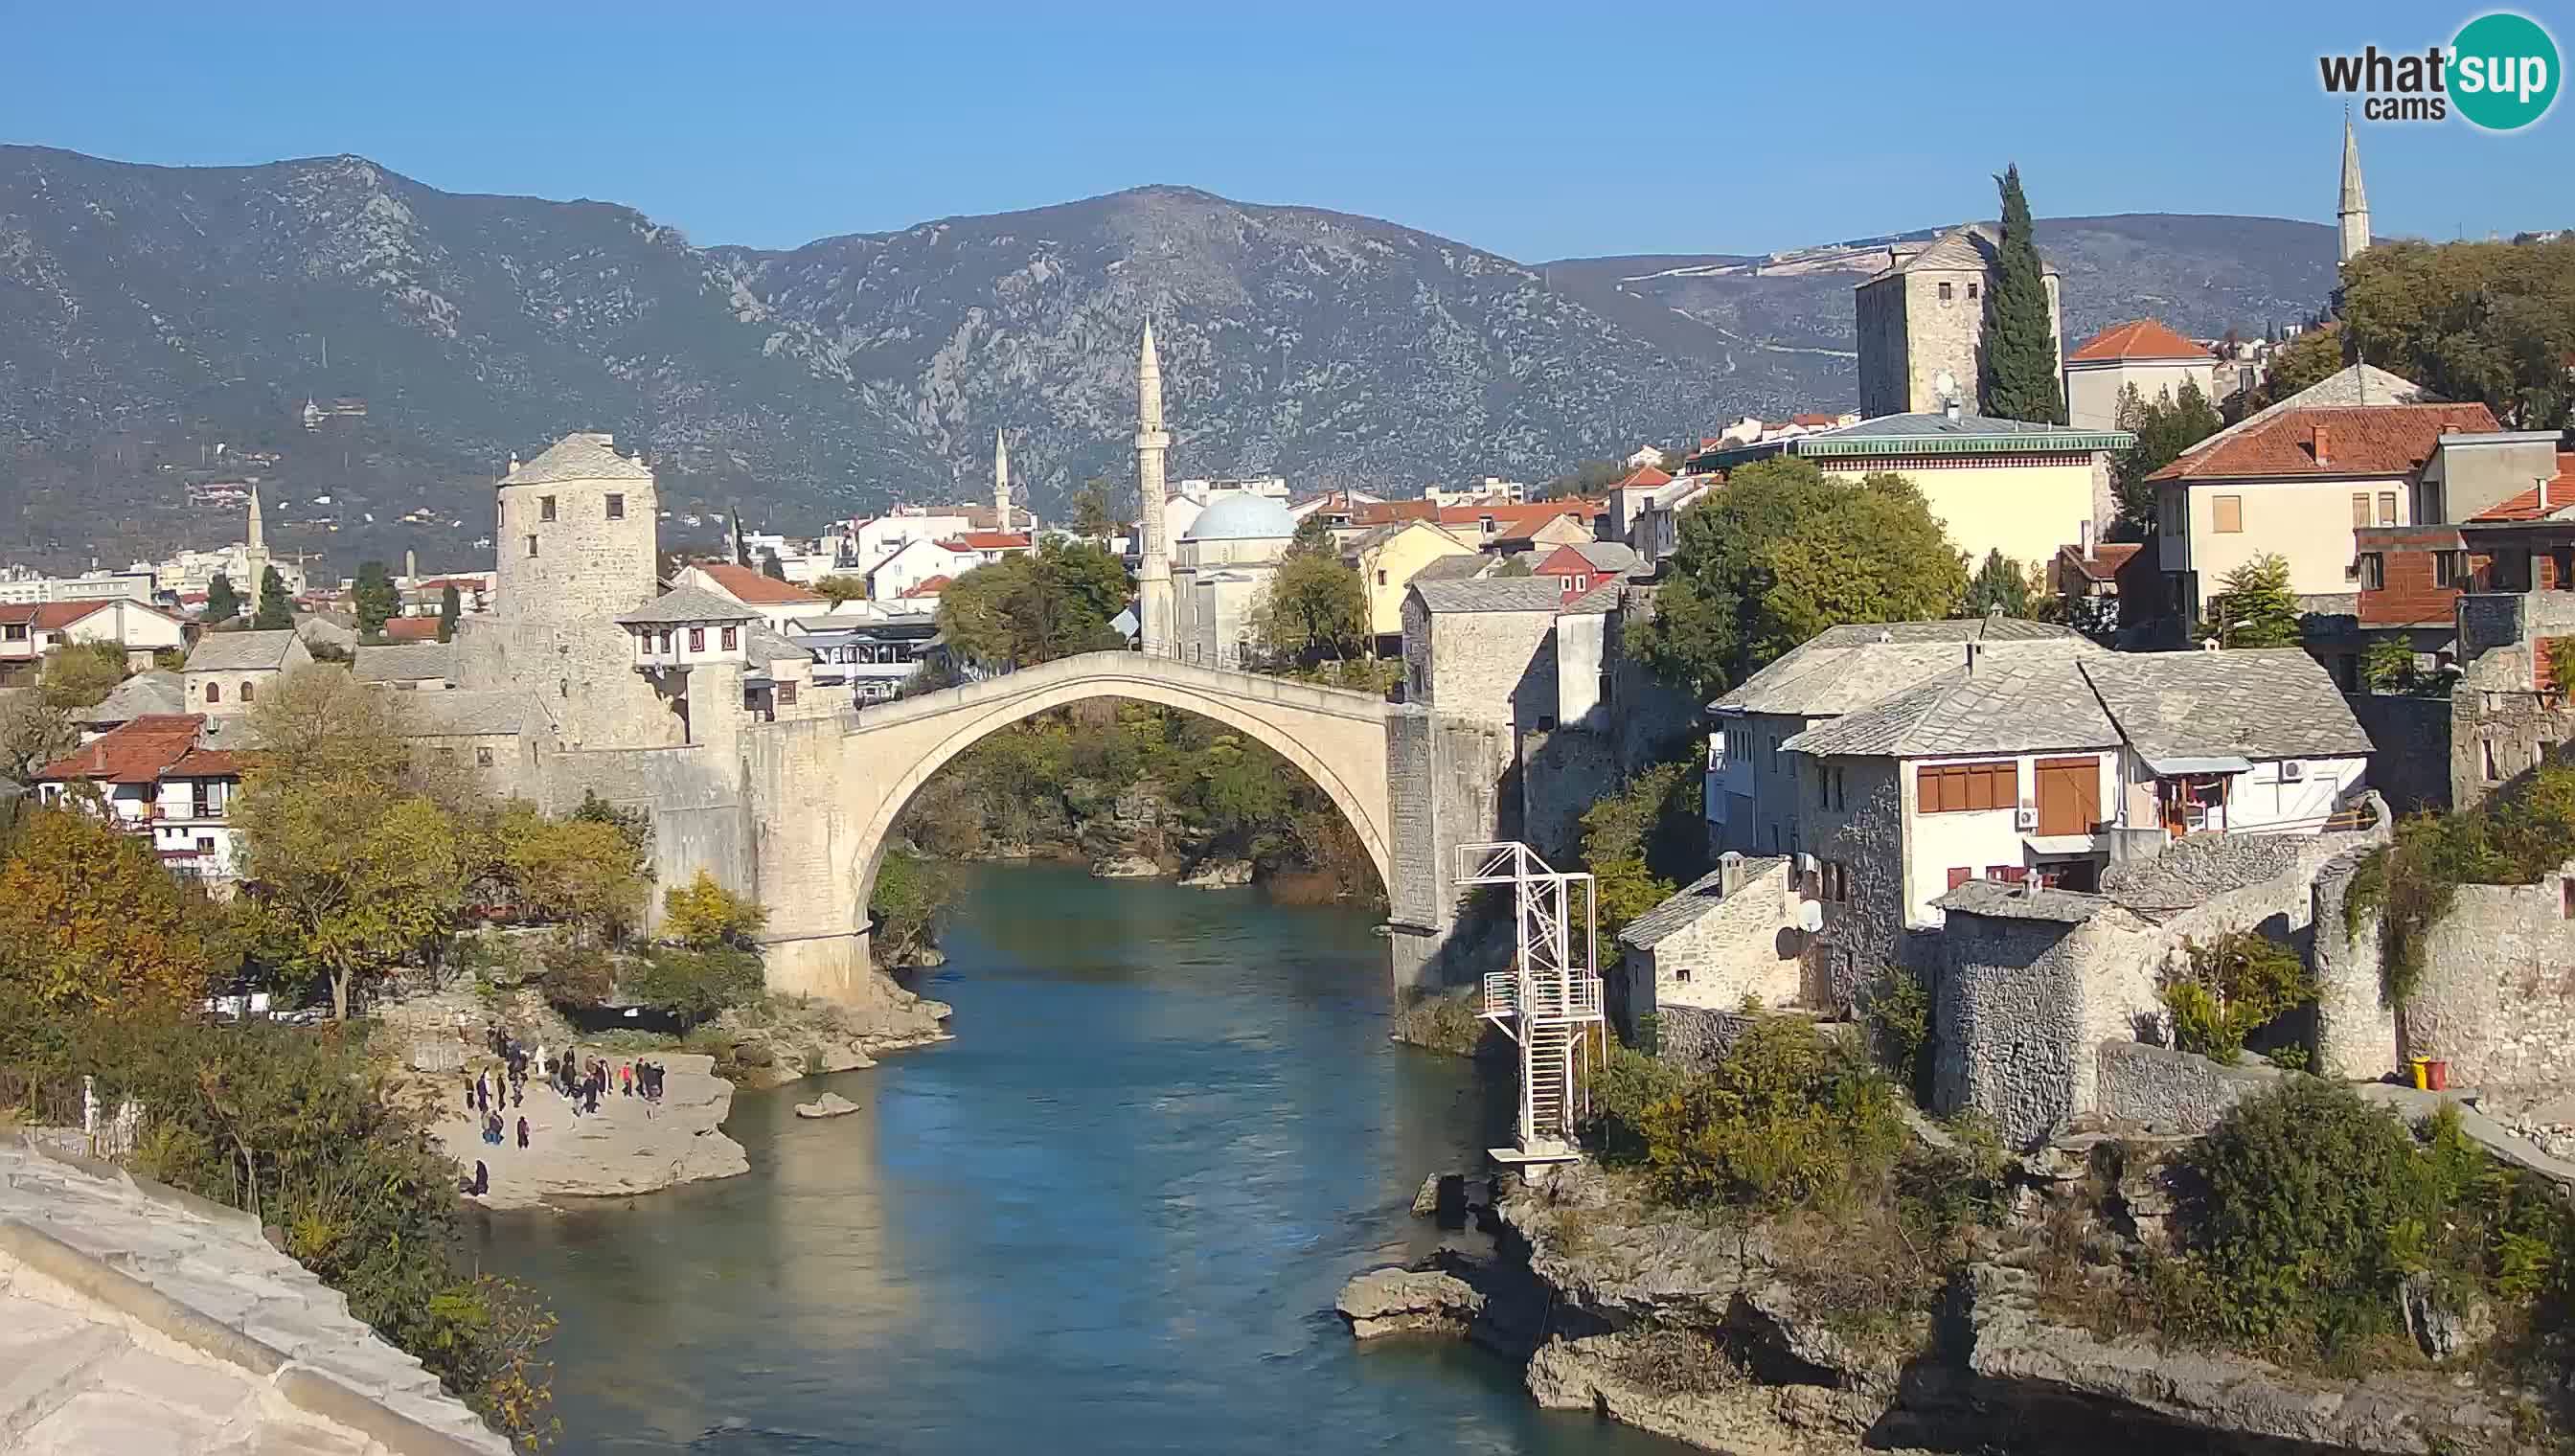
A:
(1154, 578)
(1001, 482)
(2352, 213)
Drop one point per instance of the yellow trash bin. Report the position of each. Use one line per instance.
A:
(2422, 1070)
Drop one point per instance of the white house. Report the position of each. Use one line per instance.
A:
(779, 605)
(917, 562)
(154, 780)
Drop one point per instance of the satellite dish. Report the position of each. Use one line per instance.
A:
(1945, 384)
(1810, 916)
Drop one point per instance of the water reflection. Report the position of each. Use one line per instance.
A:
(1111, 1216)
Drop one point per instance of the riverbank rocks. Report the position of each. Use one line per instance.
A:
(629, 1146)
(779, 1041)
(1126, 866)
(1218, 875)
(829, 1104)
(1398, 1301)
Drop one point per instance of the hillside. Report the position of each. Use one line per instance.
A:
(149, 315)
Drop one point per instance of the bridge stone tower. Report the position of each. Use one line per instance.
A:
(1154, 577)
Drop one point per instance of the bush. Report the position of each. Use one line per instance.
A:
(698, 986)
(2235, 985)
(575, 974)
(703, 914)
(2515, 836)
(910, 894)
(1896, 1006)
(1786, 1117)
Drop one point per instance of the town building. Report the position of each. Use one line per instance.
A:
(155, 690)
(916, 562)
(1577, 568)
(1387, 557)
(2141, 355)
(1730, 937)
(1998, 485)
(1922, 323)
(225, 671)
(779, 604)
(1222, 573)
(874, 659)
(155, 781)
(27, 633)
(26, 586)
(2298, 483)
(410, 667)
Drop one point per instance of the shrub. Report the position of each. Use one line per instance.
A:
(1896, 1006)
(2515, 836)
(575, 973)
(703, 914)
(698, 986)
(910, 894)
(2388, 665)
(2235, 985)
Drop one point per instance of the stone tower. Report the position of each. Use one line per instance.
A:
(1154, 578)
(2353, 212)
(1001, 482)
(577, 545)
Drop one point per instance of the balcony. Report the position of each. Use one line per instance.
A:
(1543, 999)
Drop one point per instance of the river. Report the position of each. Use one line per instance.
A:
(1111, 1216)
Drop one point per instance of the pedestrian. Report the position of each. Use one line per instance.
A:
(480, 1183)
(523, 1132)
(519, 1093)
(626, 1079)
(591, 1102)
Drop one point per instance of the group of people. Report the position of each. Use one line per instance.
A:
(580, 1081)
(485, 1095)
(583, 1083)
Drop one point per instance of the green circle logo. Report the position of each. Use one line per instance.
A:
(2503, 71)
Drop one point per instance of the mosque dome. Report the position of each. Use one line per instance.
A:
(1243, 517)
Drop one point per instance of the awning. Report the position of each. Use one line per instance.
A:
(2062, 844)
(2176, 767)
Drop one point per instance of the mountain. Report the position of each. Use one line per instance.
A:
(149, 315)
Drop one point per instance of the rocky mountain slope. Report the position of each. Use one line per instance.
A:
(150, 313)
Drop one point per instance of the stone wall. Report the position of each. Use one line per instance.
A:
(2501, 722)
(2497, 997)
(2355, 1033)
(1695, 1037)
(2174, 1091)
(701, 819)
(1865, 838)
(2410, 764)
(1563, 774)
(2024, 998)
(1495, 666)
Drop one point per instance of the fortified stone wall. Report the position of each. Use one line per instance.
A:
(2504, 718)
(2497, 995)
(1865, 838)
(1448, 782)
(701, 819)
(2410, 764)
(2355, 1032)
(2029, 986)
(2175, 1092)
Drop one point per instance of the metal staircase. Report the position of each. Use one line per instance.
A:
(1550, 1001)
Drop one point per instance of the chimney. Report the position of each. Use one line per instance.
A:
(2084, 539)
(1952, 409)
(2324, 455)
(1976, 650)
(1729, 873)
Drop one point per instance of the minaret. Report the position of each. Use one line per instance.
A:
(254, 555)
(2353, 212)
(1154, 579)
(1001, 482)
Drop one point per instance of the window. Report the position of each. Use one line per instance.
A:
(14, 631)
(2227, 514)
(786, 694)
(1945, 292)
(532, 545)
(2359, 509)
(1841, 790)
(728, 637)
(616, 507)
(205, 844)
(2493, 773)
(2449, 568)
(697, 639)
(2373, 572)
(546, 507)
(1971, 292)
(1961, 787)
(214, 692)
(2387, 507)
(482, 758)
(1381, 578)
(247, 689)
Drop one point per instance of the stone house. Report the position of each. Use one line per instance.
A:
(405, 667)
(501, 736)
(2141, 354)
(226, 670)
(1921, 321)
(2047, 769)
(1387, 557)
(1220, 574)
(1996, 485)
(1727, 937)
(1753, 798)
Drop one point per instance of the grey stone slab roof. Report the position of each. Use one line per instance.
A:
(2022, 903)
(2197, 869)
(467, 715)
(683, 605)
(1492, 594)
(157, 691)
(240, 652)
(1968, 247)
(2007, 703)
(580, 457)
(765, 647)
(410, 661)
(1609, 555)
(1463, 568)
(1694, 900)
(2257, 703)
(1848, 668)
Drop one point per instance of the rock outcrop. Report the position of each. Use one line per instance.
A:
(829, 1104)
(629, 1146)
(1396, 1301)
(781, 1042)
(1218, 875)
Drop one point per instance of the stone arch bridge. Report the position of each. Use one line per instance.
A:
(825, 793)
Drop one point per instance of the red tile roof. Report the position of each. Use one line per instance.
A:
(929, 586)
(410, 629)
(50, 616)
(205, 764)
(138, 751)
(1644, 478)
(754, 589)
(2359, 440)
(989, 541)
(1813, 422)
(2526, 506)
(2105, 560)
(2136, 339)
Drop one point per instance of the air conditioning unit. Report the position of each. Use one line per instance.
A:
(2025, 818)
(2195, 817)
(2291, 770)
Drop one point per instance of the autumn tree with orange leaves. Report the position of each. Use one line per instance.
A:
(90, 922)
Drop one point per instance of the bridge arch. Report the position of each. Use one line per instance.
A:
(1335, 738)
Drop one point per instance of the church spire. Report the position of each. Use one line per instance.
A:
(2352, 213)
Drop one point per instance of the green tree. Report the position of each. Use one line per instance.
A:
(2165, 426)
(910, 894)
(89, 920)
(450, 608)
(1314, 604)
(33, 734)
(1642, 841)
(771, 566)
(1588, 478)
(2020, 358)
(837, 588)
(2489, 322)
(1035, 606)
(276, 609)
(375, 599)
(585, 873)
(82, 674)
(2388, 665)
(1781, 553)
(1999, 585)
(698, 985)
(1092, 518)
(2258, 608)
(221, 602)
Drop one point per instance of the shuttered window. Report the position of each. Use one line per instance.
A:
(1959, 788)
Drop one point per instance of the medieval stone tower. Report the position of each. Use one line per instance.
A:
(576, 546)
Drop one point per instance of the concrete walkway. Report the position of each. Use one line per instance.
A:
(629, 1146)
(135, 1318)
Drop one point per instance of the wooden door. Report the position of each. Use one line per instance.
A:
(2069, 796)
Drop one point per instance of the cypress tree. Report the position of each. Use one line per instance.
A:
(377, 600)
(276, 610)
(221, 602)
(2020, 380)
(448, 609)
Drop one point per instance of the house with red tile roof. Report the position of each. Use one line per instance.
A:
(780, 604)
(2143, 354)
(2298, 485)
(29, 630)
(150, 778)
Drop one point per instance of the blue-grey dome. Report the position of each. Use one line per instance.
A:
(1241, 516)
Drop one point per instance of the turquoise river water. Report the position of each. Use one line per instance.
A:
(1111, 1216)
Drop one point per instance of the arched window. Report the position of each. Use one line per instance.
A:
(246, 691)
(214, 692)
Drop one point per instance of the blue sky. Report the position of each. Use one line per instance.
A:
(1568, 130)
